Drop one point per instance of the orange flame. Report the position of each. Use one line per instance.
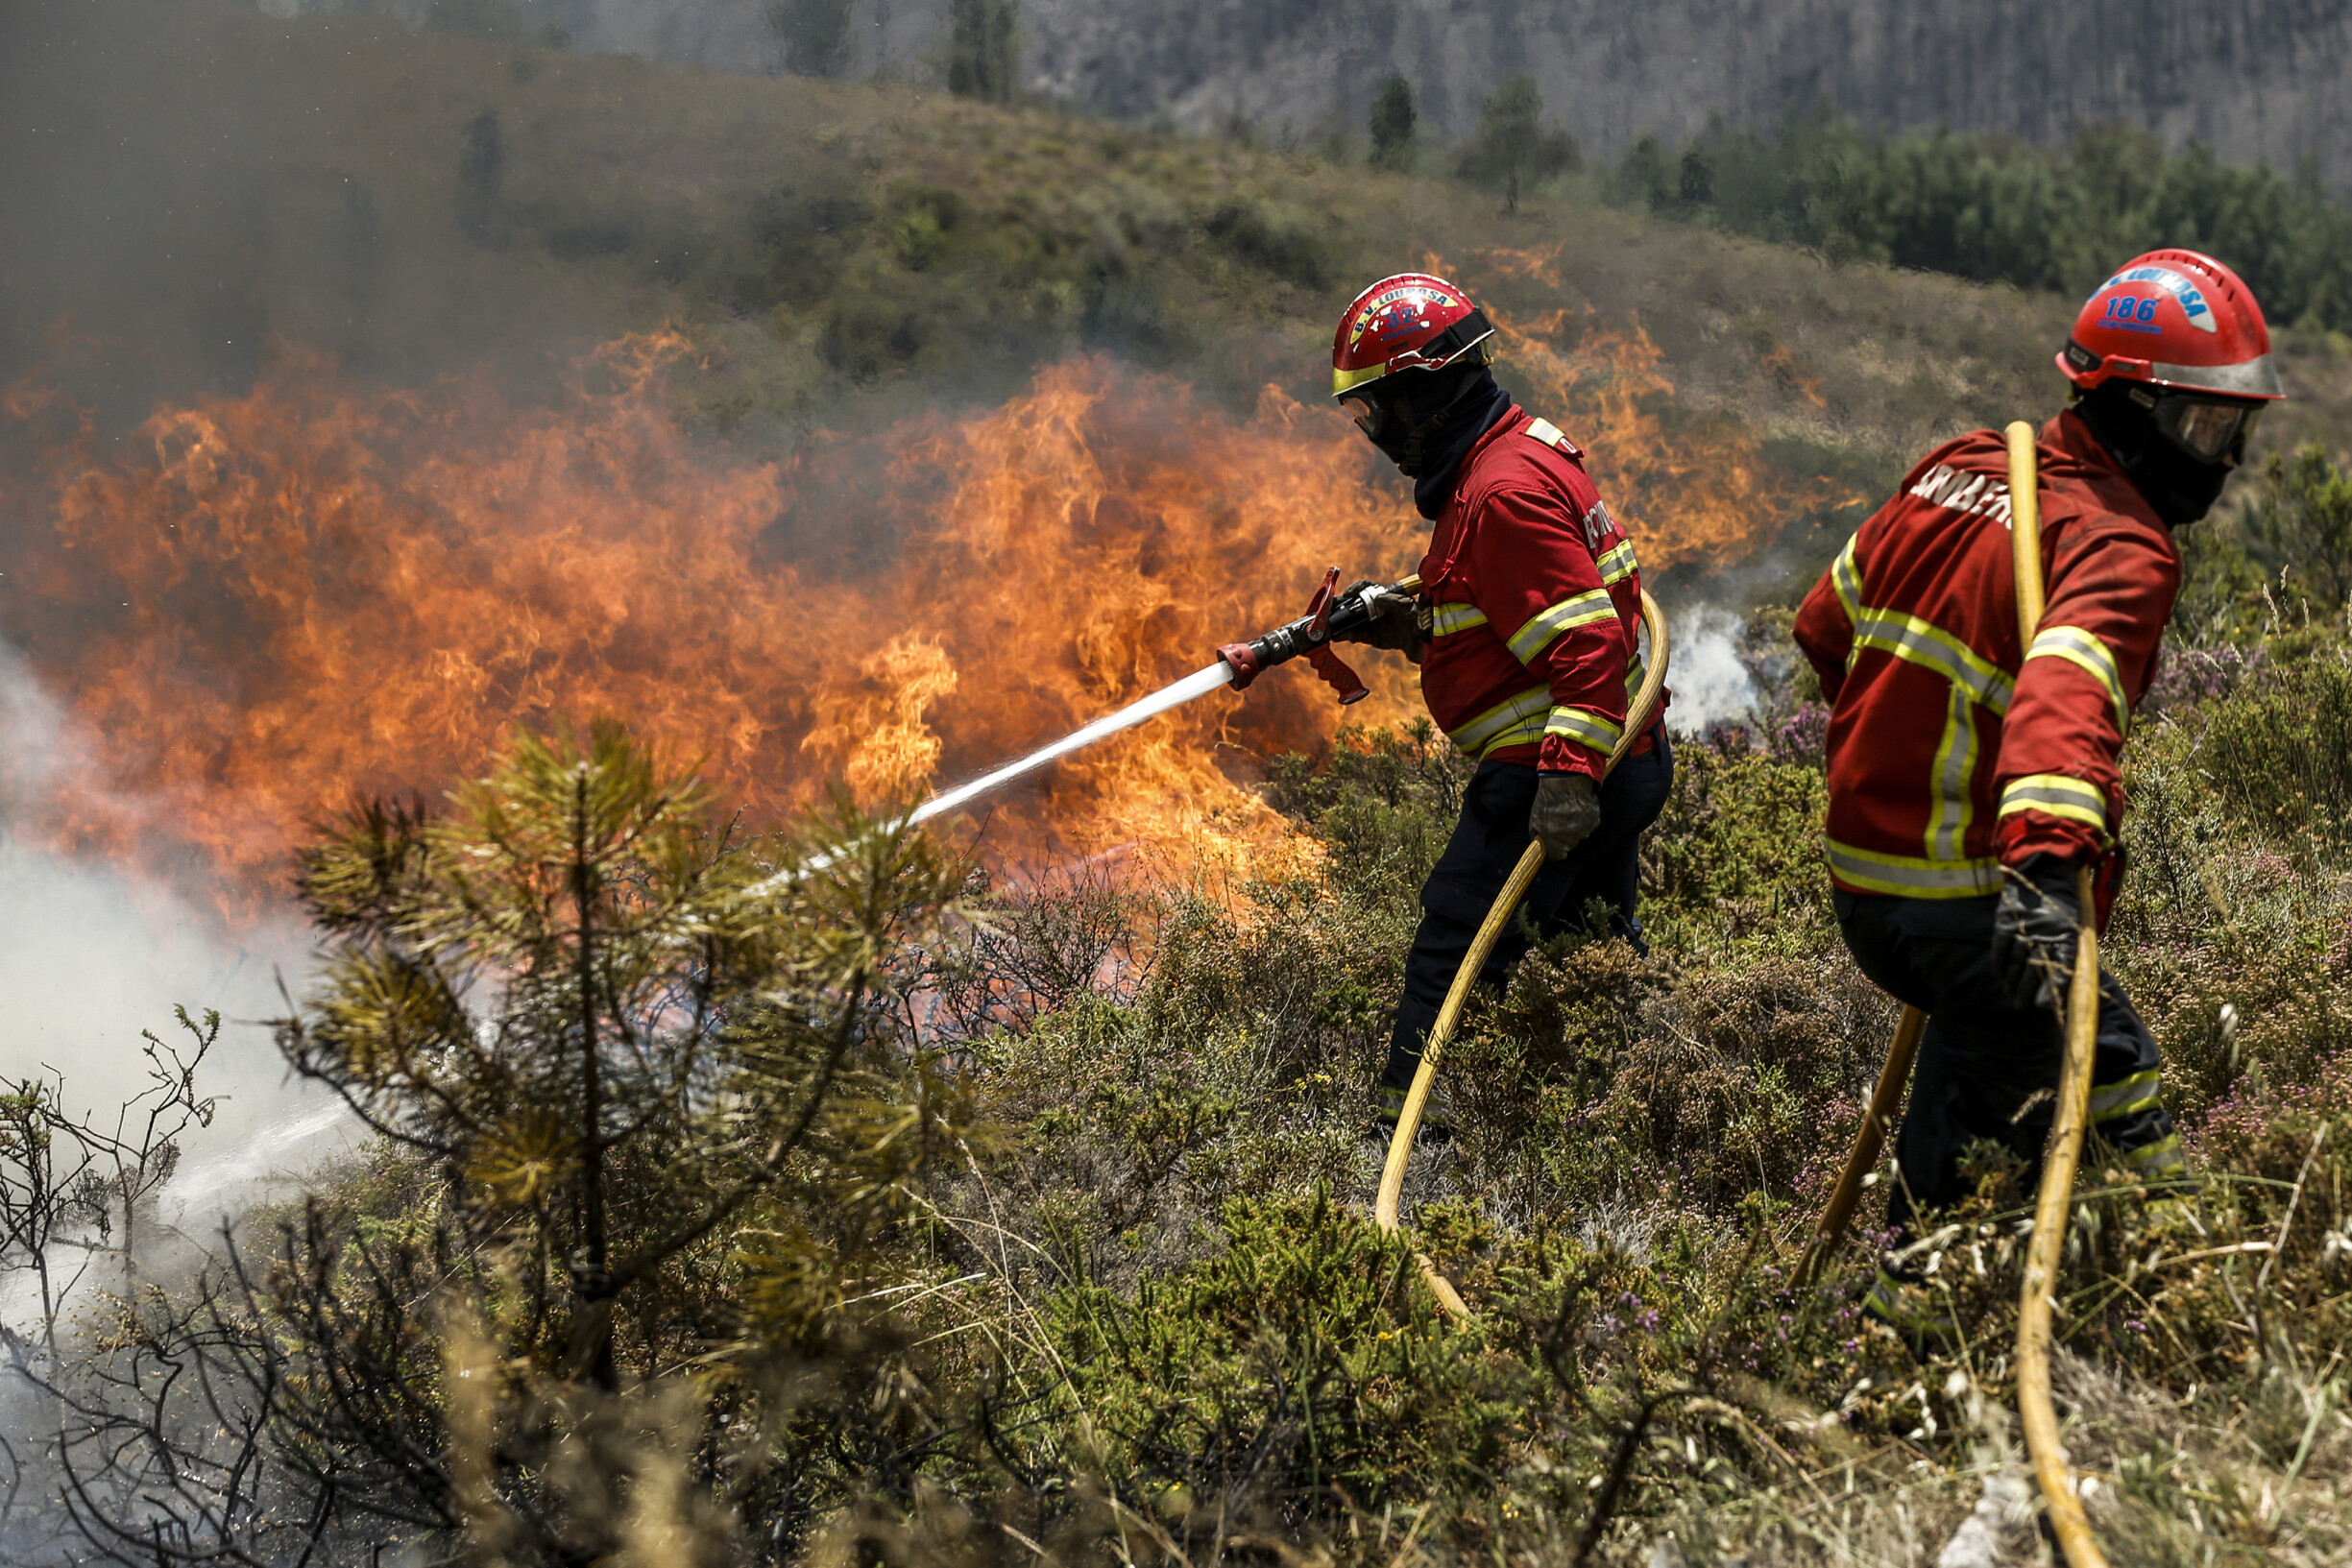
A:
(325, 587)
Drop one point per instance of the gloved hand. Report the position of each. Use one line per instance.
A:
(1568, 808)
(2035, 931)
(1394, 623)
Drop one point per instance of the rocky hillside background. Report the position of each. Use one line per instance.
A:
(2258, 79)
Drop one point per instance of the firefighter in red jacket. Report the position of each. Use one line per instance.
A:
(1971, 776)
(1524, 630)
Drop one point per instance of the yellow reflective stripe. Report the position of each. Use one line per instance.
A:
(1950, 806)
(1545, 431)
(1489, 728)
(1846, 578)
(1531, 639)
(2140, 1092)
(1584, 724)
(1919, 642)
(2054, 794)
(1915, 876)
(1617, 564)
(2159, 1158)
(2084, 648)
(1636, 669)
(1445, 619)
(1344, 380)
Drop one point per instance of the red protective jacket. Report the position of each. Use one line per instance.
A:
(1533, 600)
(1953, 750)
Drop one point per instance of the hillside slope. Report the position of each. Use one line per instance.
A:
(196, 180)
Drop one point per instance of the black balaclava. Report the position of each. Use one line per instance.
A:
(1429, 421)
(2177, 486)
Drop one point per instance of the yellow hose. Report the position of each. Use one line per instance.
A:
(1498, 916)
(2064, 1152)
(1893, 1078)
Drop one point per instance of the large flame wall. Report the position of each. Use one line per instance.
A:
(264, 604)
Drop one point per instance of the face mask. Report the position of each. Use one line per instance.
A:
(2156, 446)
(1404, 420)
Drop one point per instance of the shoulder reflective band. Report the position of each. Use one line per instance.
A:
(1913, 876)
(1544, 430)
(2084, 648)
(1586, 608)
(2055, 795)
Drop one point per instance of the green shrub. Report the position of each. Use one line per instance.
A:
(2280, 754)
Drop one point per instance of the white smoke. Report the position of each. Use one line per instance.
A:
(1704, 671)
(91, 955)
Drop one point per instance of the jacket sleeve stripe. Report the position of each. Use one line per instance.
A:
(1507, 723)
(1581, 724)
(1617, 564)
(2084, 648)
(1445, 619)
(2054, 794)
(1538, 634)
(1915, 640)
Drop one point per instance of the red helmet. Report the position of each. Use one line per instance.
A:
(1411, 321)
(2173, 319)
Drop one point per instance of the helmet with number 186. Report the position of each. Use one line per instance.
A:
(2186, 336)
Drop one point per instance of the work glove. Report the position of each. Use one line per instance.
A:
(1568, 808)
(2034, 933)
(1394, 624)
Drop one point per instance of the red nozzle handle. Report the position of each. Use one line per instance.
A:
(1335, 672)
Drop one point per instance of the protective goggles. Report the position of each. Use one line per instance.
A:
(1363, 408)
(2206, 429)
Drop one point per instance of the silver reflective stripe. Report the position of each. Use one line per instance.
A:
(1617, 564)
(2254, 379)
(1845, 577)
(2159, 1158)
(1913, 876)
(2083, 648)
(1581, 724)
(1545, 431)
(2056, 795)
(1484, 732)
(1445, 619)
(1915, 640)
(2140, 1092)
(1949, 805)
(1591, 606)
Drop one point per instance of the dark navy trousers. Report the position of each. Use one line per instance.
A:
(1987, 1070)
(1486, 844)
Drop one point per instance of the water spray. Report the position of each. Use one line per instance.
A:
(1237, 664)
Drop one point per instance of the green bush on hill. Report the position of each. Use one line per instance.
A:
(1996, 209)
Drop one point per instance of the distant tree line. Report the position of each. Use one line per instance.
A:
(1996, 209)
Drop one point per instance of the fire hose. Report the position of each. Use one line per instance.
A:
(2063, 1152)
(1506, 906)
